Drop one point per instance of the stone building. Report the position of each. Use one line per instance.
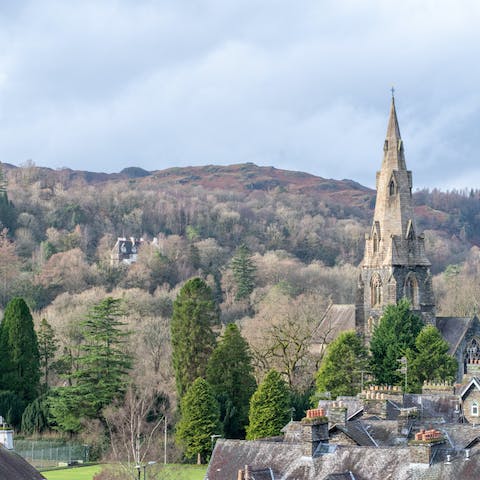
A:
(395, 266)
(381, 434)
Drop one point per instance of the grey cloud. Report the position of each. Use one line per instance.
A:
(297, 85)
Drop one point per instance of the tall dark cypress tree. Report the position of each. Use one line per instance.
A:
(20, 371)
(230, 373)
(193, 340)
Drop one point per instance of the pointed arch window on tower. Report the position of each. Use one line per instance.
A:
(376, 291)
(411, 291)
(375, 242)
(391, 187)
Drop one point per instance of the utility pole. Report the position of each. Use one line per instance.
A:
(165, 443)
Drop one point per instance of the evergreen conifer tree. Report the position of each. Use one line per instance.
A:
(269, 407)
(102, 368)
(430, 361)
(193, 340)
(200, 420)
(47, 346)
(244, 272)
(340, 371)
(230, 373)
(392, 339)
(20, 371)
(35, 417)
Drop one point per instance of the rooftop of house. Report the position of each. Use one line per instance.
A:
(412, 436)
(13, 466)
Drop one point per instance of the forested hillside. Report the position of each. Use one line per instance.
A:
(275, 247)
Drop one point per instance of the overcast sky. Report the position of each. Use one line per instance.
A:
(302, 85)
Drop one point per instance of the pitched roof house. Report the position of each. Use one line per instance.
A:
(14, 467)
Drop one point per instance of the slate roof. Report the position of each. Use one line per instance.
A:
(337, 319)
(365, 463)
(453, 329)
(261, 474)
(229, 456)
(14, 467)
(358, 432)
(474, 382)
(440, 407)
(340, 476)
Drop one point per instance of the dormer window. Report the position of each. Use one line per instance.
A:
(474, 409)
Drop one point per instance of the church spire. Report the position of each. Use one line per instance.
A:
(393, 130)
(393, 147)
(394, 265)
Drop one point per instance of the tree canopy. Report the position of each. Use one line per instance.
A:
(47, 346)
(102, 368)
(19, 351)
(430, 360)
(193, 340)
(230, 373)
(393, 338)
(270, 408)
(341, 369)
(243, 269)
(200, 420)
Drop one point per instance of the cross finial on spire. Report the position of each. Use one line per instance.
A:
(393, 92)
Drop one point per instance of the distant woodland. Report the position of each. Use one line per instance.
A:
(303, 238)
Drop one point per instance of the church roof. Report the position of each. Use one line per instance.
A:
(453, 330)
(337, 319)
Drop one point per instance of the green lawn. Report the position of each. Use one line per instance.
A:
(78, 473)
(170, 472)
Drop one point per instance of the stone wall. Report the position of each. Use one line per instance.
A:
(472, 397)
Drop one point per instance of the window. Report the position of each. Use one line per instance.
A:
(391, 187)
(411, 291)
(474, 410)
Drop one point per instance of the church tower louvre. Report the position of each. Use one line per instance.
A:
(394, 264)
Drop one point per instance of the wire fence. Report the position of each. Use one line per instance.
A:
(47, 453)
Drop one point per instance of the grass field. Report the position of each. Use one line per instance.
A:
(170, 472)
(80, 473)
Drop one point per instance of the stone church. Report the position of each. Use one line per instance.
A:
(382, 433)
(395, 265)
